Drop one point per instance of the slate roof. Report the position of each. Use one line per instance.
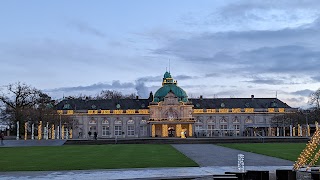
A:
(215, 103)
(107, 104)
(204, 103)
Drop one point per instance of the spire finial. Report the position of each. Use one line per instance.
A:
(169, 65)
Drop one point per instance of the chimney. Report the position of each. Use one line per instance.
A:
(200, 96)
(137, 97)
(252, 96)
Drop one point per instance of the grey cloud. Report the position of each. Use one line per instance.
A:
(141, 89)
(95, 87)
(290, 58)
(184, 77)
(212, 75)
(86, 28)
(291, 50)
(296, 100)
(150, 79)
(305, 92)
(267, 81)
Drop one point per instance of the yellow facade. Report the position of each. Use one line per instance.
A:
(190, 130)
(153, 130)
(178, 130)
(164, 130)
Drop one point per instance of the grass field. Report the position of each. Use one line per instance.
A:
(289, 151)
(91, 157)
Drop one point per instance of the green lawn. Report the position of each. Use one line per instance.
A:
(289, 151)
(91, 157)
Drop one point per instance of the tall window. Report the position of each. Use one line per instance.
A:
(117, 128)
(92, 125)
(211, 126)
(130, 128)
(105, 128)
(198, 124)
(143, 128)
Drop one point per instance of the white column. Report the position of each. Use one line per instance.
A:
(47, 134)
(277, 131)
(17, 130)
(67, 133)
(32, 131)
(284, 131)
(291, 130)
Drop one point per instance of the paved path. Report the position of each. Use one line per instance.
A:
(213, 155)
(199, 173)
(22, 143)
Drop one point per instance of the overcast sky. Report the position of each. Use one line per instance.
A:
(216, 48)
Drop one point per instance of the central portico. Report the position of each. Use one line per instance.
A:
(170, 111)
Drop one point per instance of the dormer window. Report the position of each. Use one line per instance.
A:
(66, 106)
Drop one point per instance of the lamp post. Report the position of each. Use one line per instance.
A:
(307, 112)
(60, 128)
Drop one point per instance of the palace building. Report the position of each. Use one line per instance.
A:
(170, 113)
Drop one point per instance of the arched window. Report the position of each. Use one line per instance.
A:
(143, 127)
(223, 120)
(92, 121)
(117, 128)
(248, 120)
(130, 128)
(198, 124)
(105, 127)
(236, 120)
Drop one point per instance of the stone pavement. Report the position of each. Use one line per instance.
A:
(201, 173)
(213, 155)
(22, 143)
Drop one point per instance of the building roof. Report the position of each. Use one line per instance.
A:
(103, 104)
(199, 103)
(215, 103)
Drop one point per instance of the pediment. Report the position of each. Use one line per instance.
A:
(171, 99)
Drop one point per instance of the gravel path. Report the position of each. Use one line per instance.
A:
(212, 155)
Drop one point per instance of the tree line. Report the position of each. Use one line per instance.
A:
(22, 103)
(302, 116)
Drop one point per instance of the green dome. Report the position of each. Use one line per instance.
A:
(165, 89)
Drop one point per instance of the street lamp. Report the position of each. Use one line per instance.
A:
(307, 112)
(60, 128)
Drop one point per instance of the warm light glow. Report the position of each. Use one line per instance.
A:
(307, 154)
(52, 132)
(62, 132)
(25, 130)
(40, 130)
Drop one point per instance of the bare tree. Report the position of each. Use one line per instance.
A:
(314, 98)
(18, 97)
(20, 102)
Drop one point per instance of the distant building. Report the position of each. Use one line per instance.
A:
(170, 113)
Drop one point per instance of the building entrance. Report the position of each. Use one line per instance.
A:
(171, 131)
